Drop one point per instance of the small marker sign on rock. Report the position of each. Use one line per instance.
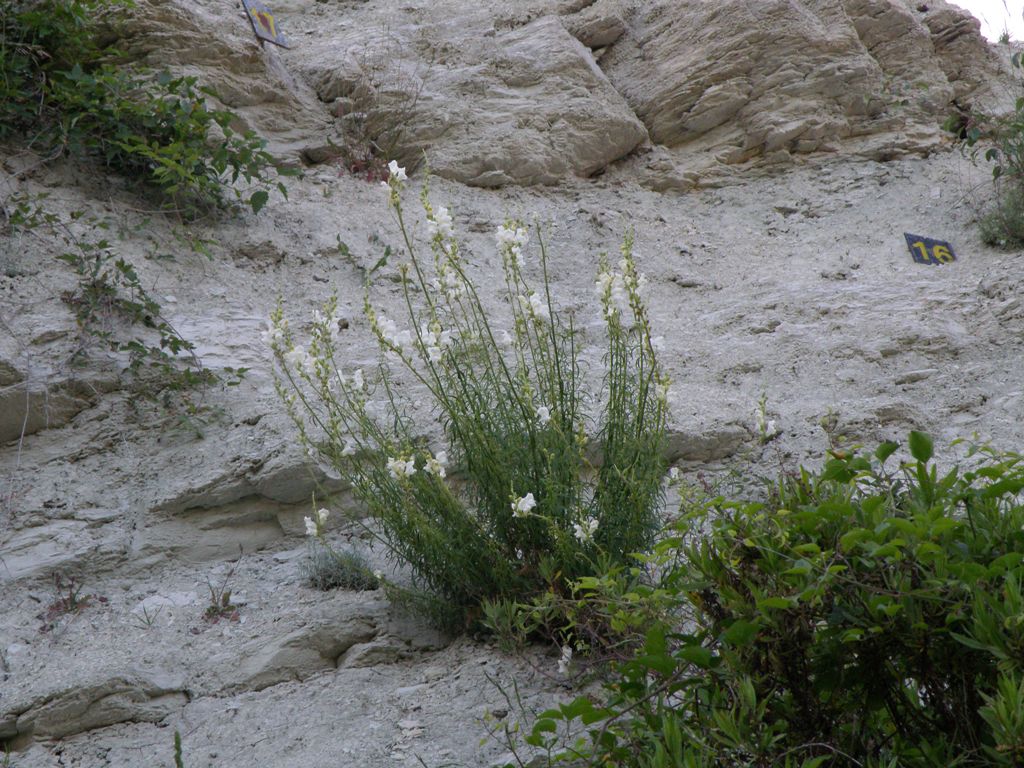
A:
(263, 23)
(926, 250)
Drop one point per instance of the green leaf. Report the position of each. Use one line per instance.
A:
(696, 654)
(1010, 485)
(654, 643)
(772, 603)
(740, 632)
(258, 200)
(921, 447)
(851, 538)
(381, 262)
(663, 664)
(885, 450)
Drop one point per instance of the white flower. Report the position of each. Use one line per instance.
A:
(673, 474)
(322, 515)
(584, 531)
(441, 224)
(543, 415)
(535, 305)
(297, 357)
(310, 526)
(661, 391)
(436, 465)
(612, 288)
(565, 660)
(452, 285)
(510, 235)
(511, 238)
(522, 506)
(765, 426)
(378, 574)
(350, 447)
(391, 335)
(505, 337)
(396, 172)
(619, 295)
(399, 468)
(435, 341)
(273, 334)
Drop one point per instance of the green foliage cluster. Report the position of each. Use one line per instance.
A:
(541, 492)
(114, 310)
(328, 568)
(862, 616)
(63, 92)
(1000, 141)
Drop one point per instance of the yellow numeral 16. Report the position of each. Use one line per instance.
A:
(940, 253)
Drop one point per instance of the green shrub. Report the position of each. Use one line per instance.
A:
(999, 140)
(859, 617)
(327, 568)
(113, 310)
(541, 490)
(62, 91)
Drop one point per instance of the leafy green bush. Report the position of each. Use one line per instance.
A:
(862, 616)
(541, 491)
(999, 140)
(114, 310)
(62, 91)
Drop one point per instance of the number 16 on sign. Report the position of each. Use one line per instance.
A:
(925, 250)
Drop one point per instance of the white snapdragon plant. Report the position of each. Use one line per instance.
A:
(528, 490)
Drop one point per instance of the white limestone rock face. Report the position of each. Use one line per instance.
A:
(133, 696)
(489, 106)
(730, 81)
(214, 42)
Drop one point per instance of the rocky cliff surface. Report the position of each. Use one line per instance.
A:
(770, 156)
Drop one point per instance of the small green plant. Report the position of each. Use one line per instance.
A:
(327, 568)
(375, 110)
(863, 615)
(62, 92)
(766, 428)
(147, 619)
(548, 480)
(178, 760)
(999, 140)
(220, 606)
(68, 601)
(113, 309)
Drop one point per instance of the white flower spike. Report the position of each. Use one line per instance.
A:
(565, 660)
(396, 172)
(584, 531)
(436, 465)
(441, 224)
(521, 507)
(399, 468)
